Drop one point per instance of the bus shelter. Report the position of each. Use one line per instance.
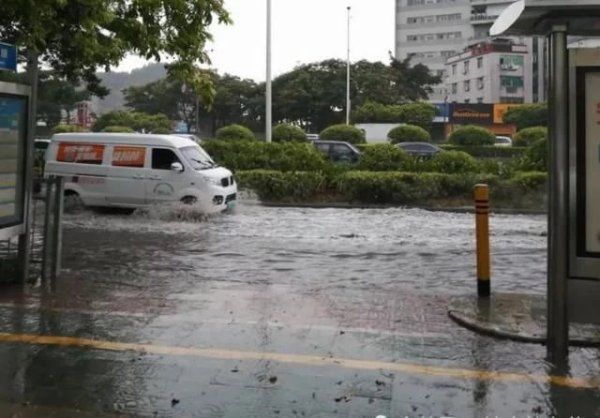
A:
(574, 164)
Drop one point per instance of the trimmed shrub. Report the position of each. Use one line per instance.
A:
(408, 133)
(536, 157)
(118, 129)
(451, 162)
(235, 133)
(277, 185)
(487, 151)
(528, 136)
(162, 131)
(385, 157)
(343, 132)
(285, 132)
(472, 135)
(64, 129)
(253, 155)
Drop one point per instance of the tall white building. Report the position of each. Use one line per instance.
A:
(431, 31)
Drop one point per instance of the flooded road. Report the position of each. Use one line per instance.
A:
(280, 312)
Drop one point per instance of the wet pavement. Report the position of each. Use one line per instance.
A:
(279, 312)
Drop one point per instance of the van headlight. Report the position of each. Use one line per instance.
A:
(213, 181)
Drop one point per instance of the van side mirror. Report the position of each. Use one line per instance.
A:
(177, 167)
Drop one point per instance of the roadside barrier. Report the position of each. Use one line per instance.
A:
(482, 215)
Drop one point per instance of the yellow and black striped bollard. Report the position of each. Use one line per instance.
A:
(482, 216)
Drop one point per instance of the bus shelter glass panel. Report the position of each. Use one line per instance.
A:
(13, 128)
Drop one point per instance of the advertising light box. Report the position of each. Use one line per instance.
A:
(13, 127)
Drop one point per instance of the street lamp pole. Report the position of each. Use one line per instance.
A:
(348, 74)
(269, 98)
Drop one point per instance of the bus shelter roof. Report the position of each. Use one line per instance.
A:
(537, 17)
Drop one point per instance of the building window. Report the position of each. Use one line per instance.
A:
(467, 101)
(511, 83)
(454, 88)
(466, 67)
(453, 69)
(468, 85)
(480, 83)
(480, 100)
(480, 62)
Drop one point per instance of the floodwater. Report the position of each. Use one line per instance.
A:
(279, 312)
(379, 249)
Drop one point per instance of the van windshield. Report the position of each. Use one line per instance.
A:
(197, 157)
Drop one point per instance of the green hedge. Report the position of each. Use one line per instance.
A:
(254, 155)
(393, 187)
(528, 136)
(488, 151)
(385, 157)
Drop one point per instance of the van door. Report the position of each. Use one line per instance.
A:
(164, 184)
(126, 175)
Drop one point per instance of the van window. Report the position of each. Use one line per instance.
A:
(129, 156)
(69, 152)
(163, 158)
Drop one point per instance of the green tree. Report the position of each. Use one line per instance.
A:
(75, 37)
(314, 95)
(233, 102)
(137, 121)
(418, 114)
(527, 116)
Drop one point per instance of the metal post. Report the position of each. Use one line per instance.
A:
(558, 238)
(269, 98)
(482, 217)
(47, 258)
(348, 105)
(25, 239)
(59, 189)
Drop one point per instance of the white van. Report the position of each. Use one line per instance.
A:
(135, 170)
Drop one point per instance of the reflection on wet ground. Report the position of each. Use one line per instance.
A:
(347, 307)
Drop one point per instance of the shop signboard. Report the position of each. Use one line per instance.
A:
(13, 141)
(472, 113)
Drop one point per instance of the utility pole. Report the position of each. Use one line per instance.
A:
(348, 74)
(269, 98)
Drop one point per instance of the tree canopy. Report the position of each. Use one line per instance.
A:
(75, 37)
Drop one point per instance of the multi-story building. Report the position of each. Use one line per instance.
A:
(492, 71)
(431, 31)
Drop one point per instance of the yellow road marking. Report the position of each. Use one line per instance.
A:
(306, 360)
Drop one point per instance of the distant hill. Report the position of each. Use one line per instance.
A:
(117, 81)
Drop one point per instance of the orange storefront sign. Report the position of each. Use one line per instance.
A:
(500, 110)
(129, 156)
(80, 153)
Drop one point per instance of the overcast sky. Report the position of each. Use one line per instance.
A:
(303, 31)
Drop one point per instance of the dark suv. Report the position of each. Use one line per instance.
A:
(338, 151)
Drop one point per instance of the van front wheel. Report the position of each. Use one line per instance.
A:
(189, 200)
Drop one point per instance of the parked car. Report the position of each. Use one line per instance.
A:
(503, 141)
(135, 170)
(338, 151)
(420, 149)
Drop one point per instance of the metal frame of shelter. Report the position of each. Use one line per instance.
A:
(557, 19)
(21, 224)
